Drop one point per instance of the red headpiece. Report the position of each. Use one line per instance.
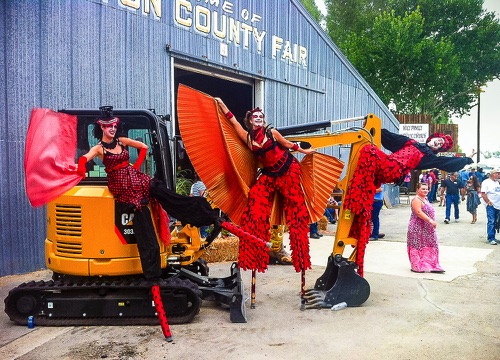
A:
(250, 112)
(448, 141)
(108, 121)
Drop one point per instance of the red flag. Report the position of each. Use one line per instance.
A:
(49, 159)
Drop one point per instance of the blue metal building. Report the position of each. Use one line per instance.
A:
(133, 54)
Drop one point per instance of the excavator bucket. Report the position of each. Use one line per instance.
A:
(339, 283)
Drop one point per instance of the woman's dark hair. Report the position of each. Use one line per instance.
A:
(419, 185)
(97, 132)
(475, 182)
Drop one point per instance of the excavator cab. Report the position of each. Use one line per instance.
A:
(92, 249)
(88, 233)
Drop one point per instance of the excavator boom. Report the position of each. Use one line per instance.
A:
(340, 282)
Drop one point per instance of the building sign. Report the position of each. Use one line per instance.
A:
(240, 27)
(146, 7)
(227, 21)
(418, 132)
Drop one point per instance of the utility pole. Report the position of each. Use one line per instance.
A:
(478, 125)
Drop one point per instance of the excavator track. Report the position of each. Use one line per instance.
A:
(69, 301)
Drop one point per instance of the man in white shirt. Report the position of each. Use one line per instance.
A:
(490, 191)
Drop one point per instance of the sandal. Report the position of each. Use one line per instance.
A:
(281, 257)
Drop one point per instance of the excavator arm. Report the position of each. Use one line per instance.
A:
(340, 282)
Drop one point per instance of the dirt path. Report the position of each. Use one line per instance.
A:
(406, 316)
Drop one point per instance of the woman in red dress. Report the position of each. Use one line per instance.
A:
(135, 189)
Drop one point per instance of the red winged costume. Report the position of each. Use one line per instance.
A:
(229, 170)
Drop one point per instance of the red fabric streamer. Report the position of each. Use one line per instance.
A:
(160, 312)
(254, 254)
(49, 160)
(256, 217)
(162, 221)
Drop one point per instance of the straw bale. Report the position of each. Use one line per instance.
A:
(323, 223)
(222, 249)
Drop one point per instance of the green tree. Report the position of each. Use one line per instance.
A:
(428, 56)
(312, 8)
(351, 16)
(401, 65)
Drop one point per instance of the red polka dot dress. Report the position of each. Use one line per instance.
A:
(126, 183)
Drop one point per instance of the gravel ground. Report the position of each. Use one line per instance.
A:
(406, 317)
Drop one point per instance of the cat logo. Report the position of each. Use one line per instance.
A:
(127, 219)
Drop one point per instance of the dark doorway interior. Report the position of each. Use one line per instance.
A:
(236, 95)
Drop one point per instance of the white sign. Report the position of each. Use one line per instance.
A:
(418, 132)
(451, 154)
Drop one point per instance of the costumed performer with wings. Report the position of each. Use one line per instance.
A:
(281, 172)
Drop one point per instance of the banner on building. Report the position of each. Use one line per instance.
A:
(418, 132)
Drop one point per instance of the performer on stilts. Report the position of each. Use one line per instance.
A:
(376, 167)
(280, 173)
(282, 191)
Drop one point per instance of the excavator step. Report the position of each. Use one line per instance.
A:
(227, 291)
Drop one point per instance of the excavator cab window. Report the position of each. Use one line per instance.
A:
(134, 124)
(133, 130)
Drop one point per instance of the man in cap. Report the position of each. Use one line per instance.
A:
(490, 191)
(452, 186)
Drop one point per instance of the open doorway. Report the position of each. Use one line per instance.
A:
(237, 93)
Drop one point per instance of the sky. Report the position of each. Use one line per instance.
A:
(490, 107)
(489, 130)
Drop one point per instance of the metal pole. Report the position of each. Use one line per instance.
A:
(340, 121)
(478, 125)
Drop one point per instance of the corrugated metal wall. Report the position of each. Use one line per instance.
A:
(86, 53)
(65, 54)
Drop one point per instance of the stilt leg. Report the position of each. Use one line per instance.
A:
(302, 290)
(252, 300)
(160, 311)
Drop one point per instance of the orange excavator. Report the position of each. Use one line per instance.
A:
(340, 281)
(91, 249)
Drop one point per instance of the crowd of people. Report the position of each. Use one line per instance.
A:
(454, 188)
